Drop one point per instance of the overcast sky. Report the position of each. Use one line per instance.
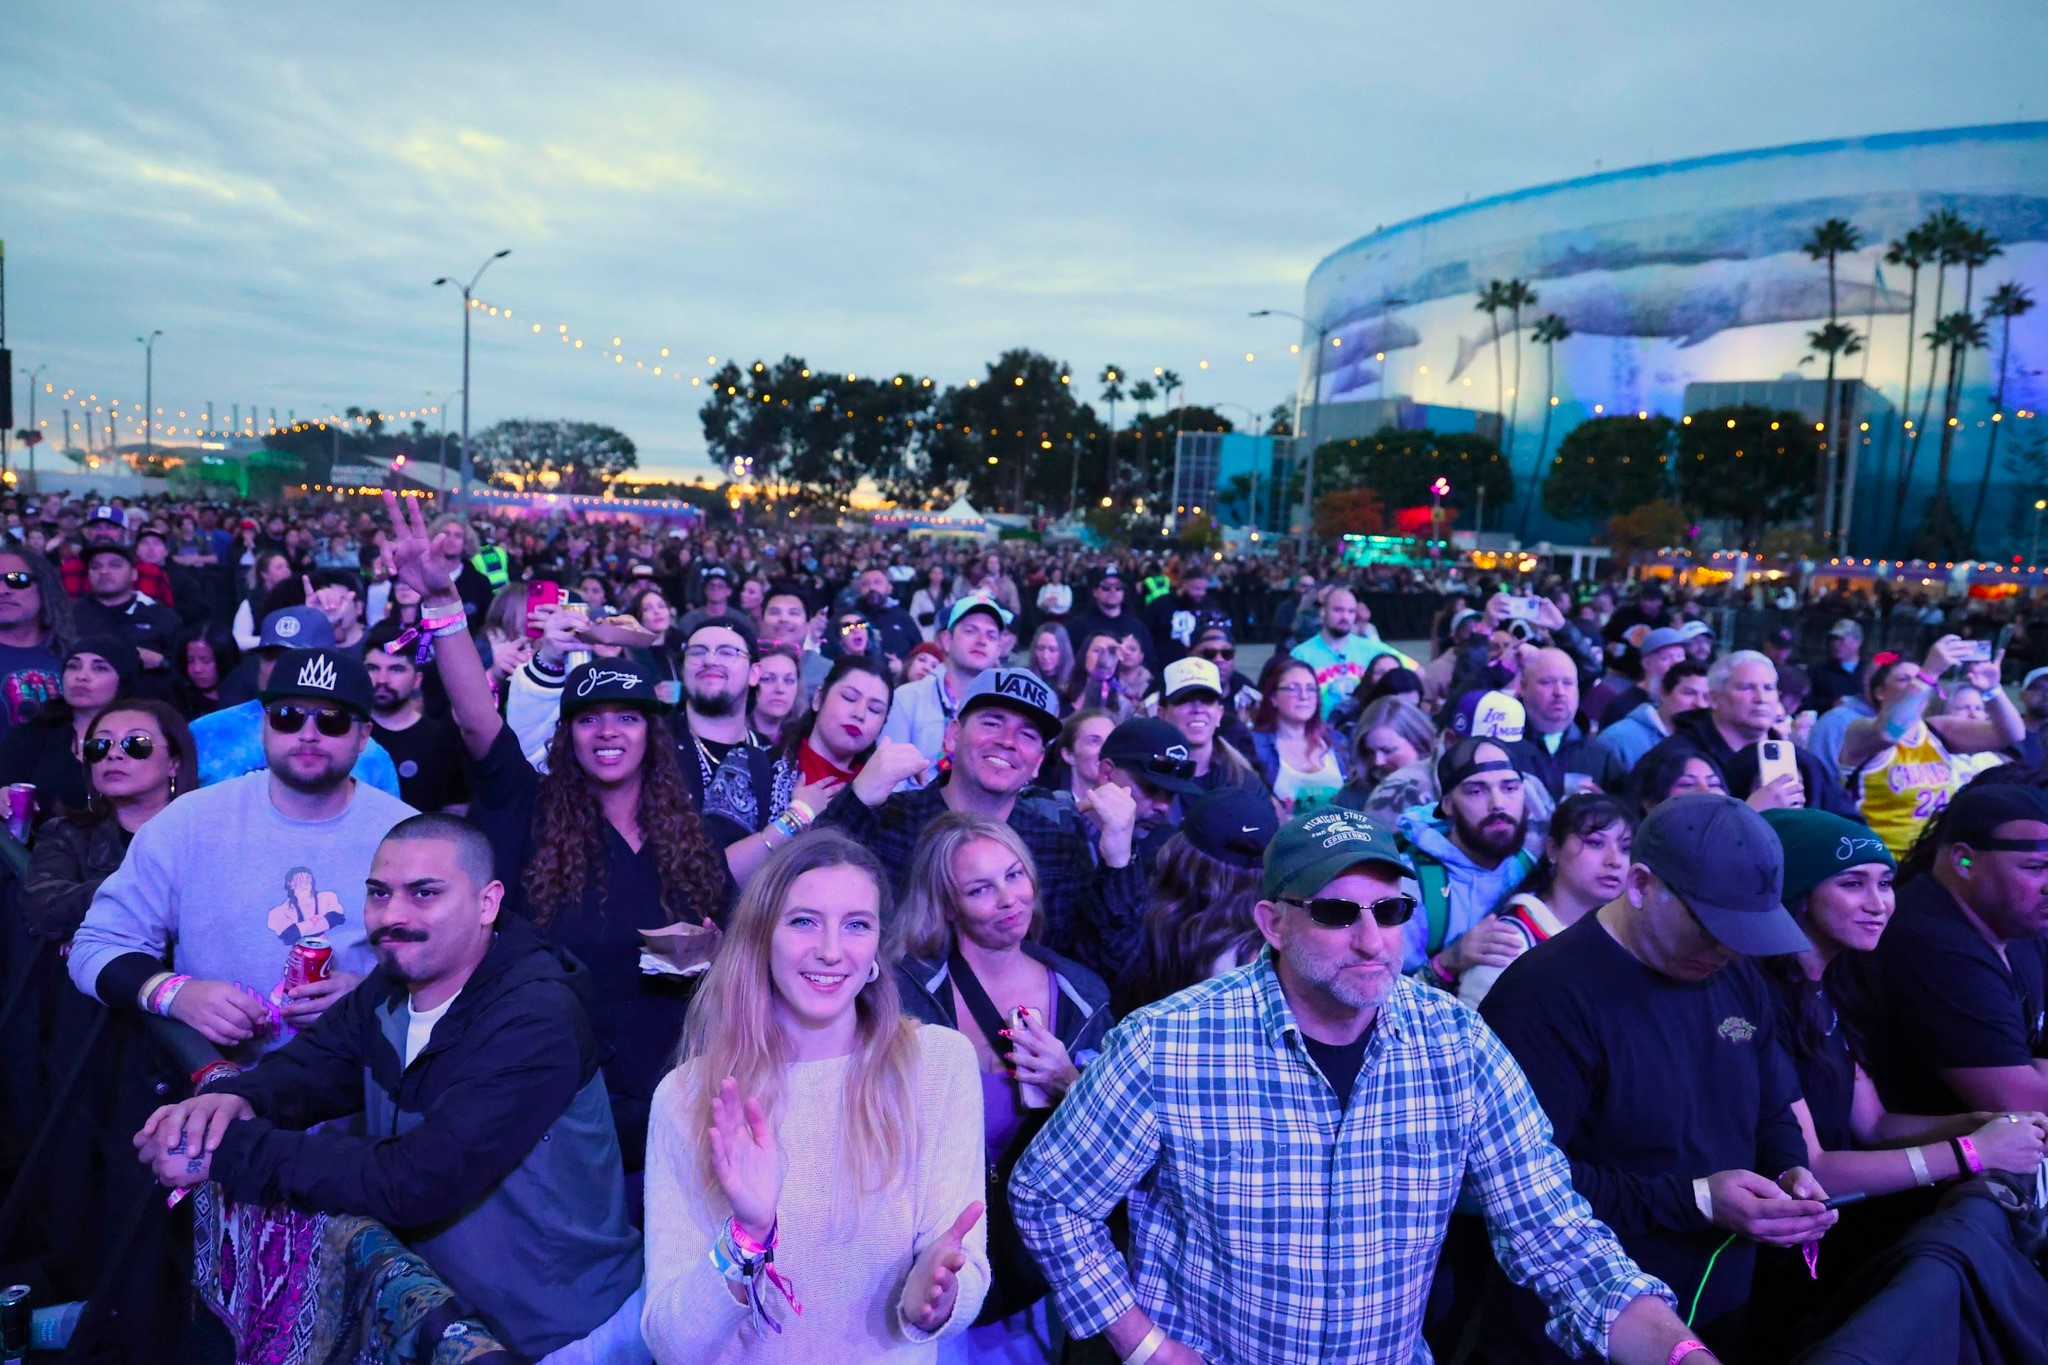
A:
(873, 186)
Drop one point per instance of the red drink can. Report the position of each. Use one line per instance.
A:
(312, 959)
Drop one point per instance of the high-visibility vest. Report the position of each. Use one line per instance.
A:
(493, 564)
(1156, 587)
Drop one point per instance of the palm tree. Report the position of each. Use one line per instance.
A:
(1943, 231)
(1913, 250)
(1142, 393)
(1112, 394)
(2008, 301)
(1959, 332)
(1550, 329)
(1974, 247)
(1831, 240)
(1519, 296)
(1835, 341)
(1169, 384)
(1492, 299)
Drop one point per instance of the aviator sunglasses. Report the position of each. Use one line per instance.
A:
(1334, 912)
(98, 747)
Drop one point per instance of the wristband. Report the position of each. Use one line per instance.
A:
(455, 608)
(1684, 1349)
(1445, 977)
(1703, 1198)
(1147, 1347)
(161, 998)
(1921, 1175)
(459, 625)
(1929, 678)
(801, 812)
(216, 1070)
(1966, 1155)
(149, 989)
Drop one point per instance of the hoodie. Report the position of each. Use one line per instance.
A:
(1470, 891)
(492, 1155)
(1696, 730)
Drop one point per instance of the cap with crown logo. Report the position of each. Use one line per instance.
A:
(319, 675)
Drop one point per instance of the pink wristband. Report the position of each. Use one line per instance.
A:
(1970, 1157)
(1684, 1349)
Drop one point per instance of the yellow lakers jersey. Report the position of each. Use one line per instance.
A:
(1904, 787)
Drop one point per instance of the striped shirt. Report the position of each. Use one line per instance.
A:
(1269, 1225)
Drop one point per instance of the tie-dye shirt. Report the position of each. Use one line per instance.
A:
(29, 677)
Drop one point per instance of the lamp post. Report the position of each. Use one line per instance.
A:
(2034, 541)
(1315, 379)
(1439, 489)
(468, 292)
(35, 433)
(441, 479)
(148, 393)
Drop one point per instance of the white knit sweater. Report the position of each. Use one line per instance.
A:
(848, 1273)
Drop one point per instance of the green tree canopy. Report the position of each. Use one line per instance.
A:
(1400, 466)
(583, 456)
(1751, 464)
(1010, 439)
(1607, 465)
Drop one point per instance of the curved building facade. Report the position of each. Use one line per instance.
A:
(1685, 285)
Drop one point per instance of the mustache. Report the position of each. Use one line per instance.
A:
(397, 935)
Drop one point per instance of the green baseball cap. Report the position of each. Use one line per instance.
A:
(1311, 851)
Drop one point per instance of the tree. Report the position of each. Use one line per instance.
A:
(1913, 250)
(1280, 421)
(1111, 378)
(1400, 466)
(1944, 230)
(1749, 464)
(1960, 333)
(2010, 300)
(1518, 296)
(1550, 330)
(1834, 238)
(566, 457)
(1492, 299)
(1647, 528)
(1606, 465)
(1834, 341)
(1200, 531)
(1142, 393)
(1349, 512)
(1007, 438)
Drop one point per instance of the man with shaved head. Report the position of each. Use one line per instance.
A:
(1338, 654)
(1554, 750)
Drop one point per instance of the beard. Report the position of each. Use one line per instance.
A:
(317, 783)
(714, 705)
(1495, 836)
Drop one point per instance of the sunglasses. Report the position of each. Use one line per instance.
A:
(98, 747)
(18, 579)
(328, 720)
(1216, 655)
(1333, 912)
(1163, 766)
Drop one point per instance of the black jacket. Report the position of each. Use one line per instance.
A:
(493, 1155)
(70, 860)
(1696, 730)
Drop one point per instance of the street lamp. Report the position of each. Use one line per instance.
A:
(1439, 489)
(1315, 378)
(468, 292)
(2033, 541)
(35, 433)
(441, 479)
(148, 345)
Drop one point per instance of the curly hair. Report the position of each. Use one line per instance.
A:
(568, 829)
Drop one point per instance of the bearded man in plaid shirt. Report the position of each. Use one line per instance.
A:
(1292, 1137)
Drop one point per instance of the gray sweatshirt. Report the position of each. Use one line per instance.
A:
(224, 884)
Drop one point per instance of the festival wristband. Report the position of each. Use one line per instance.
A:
(149, 988)
(161, 999)
(801, 812)
(1966, 1155)
(455, 608)
(1684, 1349)
(1147, 1347)
(1921, 1175)
(1703, 1198)
(1445, 977)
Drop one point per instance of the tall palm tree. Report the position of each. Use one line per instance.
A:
(1836, 341)
(1112, 377)
(1142, 393)
(1519, 296)
(2008, 301)
(1550, 329)
(1913, 250)
(1944, 230)
(1960, 333)
(1974, 247)
(1492, 299)
(1833, 239)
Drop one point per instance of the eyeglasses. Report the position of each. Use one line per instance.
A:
(1296, 689)
(98, 747)
(330, 721)
(1333, 912)
(18, 579)
(726, 653)
(1216, 655)
(849, 627)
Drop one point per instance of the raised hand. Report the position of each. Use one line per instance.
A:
(934, 1283)
(892, 764)
(415, 560)
(747, 1158)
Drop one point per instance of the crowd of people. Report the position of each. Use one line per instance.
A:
(567, 902)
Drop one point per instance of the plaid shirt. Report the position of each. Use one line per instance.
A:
(1267, 1224)
(1092, 913)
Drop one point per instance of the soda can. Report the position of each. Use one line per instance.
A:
(312, 959)
(21, 809)
(16, 1313)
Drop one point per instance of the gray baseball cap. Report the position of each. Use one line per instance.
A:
(1019, 690)
(1723, 860)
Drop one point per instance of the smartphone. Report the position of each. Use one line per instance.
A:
(1973, 651)
(1843, 1199)
(542, 593)
(1774, 759)
(1520, 609)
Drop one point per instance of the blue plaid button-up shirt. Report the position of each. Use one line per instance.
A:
(1267, 1224)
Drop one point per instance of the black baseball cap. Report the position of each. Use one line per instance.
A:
(1232, 825)
(105, 547)
(1723, 860)
(1104, 574)
(320, 675)
(1976, 812)
(716, 571)
(1154, 752)
(622, 681)
(1020, 690)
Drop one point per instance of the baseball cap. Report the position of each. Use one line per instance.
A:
(110, 515)
(715, 571)
(978, 603)
(1461, 616)
(599, 682)
(1661, 637)
(1818, 844)
(2034, 675)
(1467, 758)
(296, 628)
(1107, 573)
(1692, 630)
(1976, 812)
(1155, 753)
(1232, 825)
(1489, 715)
(735, 622)
(1722, 859)
(1185, 677)
(1310, 851)
(1845, 627)
(1652, 587)
(1021, 691)
(111, 547)
(320, 675)
(1214, 628)
(1055, 599)
(1782, 637)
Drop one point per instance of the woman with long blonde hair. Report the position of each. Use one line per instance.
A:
(814, 1162)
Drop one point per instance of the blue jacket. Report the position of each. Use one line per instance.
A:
(1266, 755)
(927, 988)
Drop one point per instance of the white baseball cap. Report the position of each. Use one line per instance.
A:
(1191, 674)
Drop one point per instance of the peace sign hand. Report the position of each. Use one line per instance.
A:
(415, 560)
(934, 1283)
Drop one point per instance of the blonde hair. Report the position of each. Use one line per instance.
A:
(922, 925)
(732, 1030)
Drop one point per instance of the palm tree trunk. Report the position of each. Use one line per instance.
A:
(1905, 464)
(1948, 431)
(1824, 507)
(1514, 403)
(1543, 442)
(1499, 383)
(1991, 443)
(1933, 363)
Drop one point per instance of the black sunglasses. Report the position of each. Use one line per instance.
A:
(330, 721)
(1160, 765)
(1333, 912)
(98, 747)
(1216, 655)
(18, 578)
